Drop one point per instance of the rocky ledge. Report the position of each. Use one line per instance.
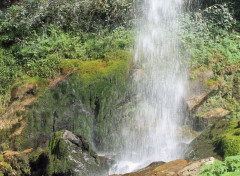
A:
(65, 154)
(178, 167)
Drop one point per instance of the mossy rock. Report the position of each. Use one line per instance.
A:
(66, 154)
(219, 141)
(86, 103)
(229, 141)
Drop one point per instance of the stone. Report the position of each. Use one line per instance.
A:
(209, 118)
(220, 140)
(160, 169)
(198, 91)
(68, 154)
(199, 97)
(194, 168)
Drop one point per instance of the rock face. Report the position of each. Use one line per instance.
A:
(178, 167)
(65, 155)
(90, 102)
(220, 140)
(199, 90)
(160, 169)
(69, 155)
(209, 118)
(194, 168)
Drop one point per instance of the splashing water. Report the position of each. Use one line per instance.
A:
(153, 134)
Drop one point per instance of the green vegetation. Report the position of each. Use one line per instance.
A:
(37, 36)
(220, 141)
(228, 139)
(211, 37)
(89, 41)
(229, 167)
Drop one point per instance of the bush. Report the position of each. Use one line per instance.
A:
(9, 71)
(20, 20)
(218, 16)
(229, 167)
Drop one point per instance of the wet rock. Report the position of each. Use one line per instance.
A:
(199, 97)
(218, 141)
(160, 169)
(209, 118)
(199, 89)
(194, 168)
(68, 154)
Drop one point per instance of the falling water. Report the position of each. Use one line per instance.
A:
(153, 134)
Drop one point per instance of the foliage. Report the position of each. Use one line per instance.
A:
(20, 20)
(41, 55)
(202, 4)
(209, 37)
(9, 70)
(229, 167)
(218, 16)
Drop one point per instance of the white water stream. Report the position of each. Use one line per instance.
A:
(153, 134)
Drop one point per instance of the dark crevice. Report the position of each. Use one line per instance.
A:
(55, 116)
(95, 137)
(39, 166)
(97, 108)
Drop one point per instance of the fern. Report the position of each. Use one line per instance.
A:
(229, 167)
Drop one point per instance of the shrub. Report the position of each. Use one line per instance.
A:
(21, 19)
(9, 71)
(229, 167)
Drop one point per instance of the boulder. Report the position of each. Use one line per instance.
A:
(198, 91)
(160, 169)
(219, 140)
(68, 154)
(209, 118)
(194, 168)
(65, 155)
(178, 167)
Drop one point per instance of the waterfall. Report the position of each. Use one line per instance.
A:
(154, 134)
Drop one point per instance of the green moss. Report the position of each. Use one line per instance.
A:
(220, 141)
(115, 66)
(58, 146)
(229, 140)
(86, 104)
